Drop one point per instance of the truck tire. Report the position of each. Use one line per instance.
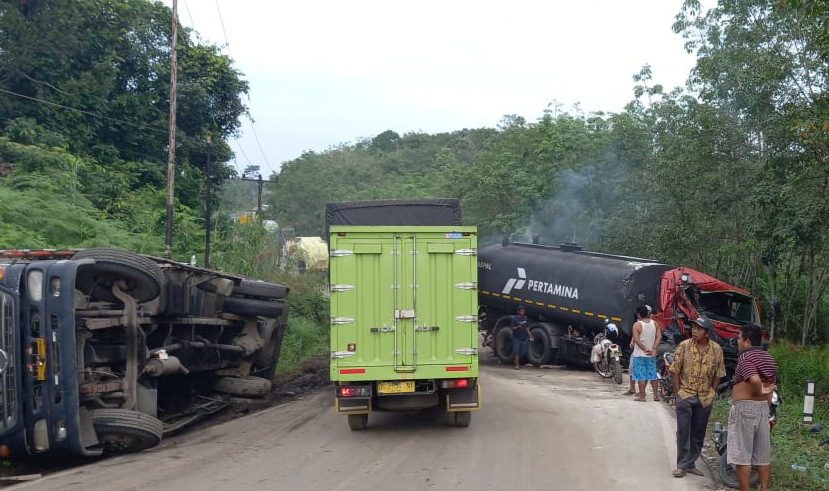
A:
(251, 307)
(260, 289)
(124, 430)
(616, 368)
(357, 422)
(143, 276)
(242, 386)
(266, 359)
(463, 419)
(539, 351)
(503, 344)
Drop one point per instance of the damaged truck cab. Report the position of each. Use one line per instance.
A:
(103, 350)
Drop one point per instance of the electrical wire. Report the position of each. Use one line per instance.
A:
(183, 139)
(252, 124)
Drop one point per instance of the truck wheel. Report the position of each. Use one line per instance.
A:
(266, 359)
(463, 418)
(143, 276)
(616, 367)
(503, 345)
(728, 475)
(124, 430)
(251, 307)
(539, 352)
(261, 289)
(242, 386)
(357, 422)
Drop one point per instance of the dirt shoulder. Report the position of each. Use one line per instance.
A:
(312, 374)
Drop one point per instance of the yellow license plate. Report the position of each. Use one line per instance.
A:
(39, 356)
(398, 387)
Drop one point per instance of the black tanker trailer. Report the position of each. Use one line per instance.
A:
(570, 293)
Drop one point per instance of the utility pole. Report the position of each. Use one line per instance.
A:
(259, 183)
(259, 200)
(171, 150)
(207, 209)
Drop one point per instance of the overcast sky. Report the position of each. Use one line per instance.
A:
(323, 73)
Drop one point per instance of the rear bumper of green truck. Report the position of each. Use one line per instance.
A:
(363, 397)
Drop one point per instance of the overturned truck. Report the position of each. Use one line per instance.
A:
(570, 293)
(104, 350)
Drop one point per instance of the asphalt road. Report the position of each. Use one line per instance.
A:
(539, 429)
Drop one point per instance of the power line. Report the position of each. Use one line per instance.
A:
(224, 32)
(94, 115)
(252, 124)
(243, 153)
(187, 8)
(184, 139)
(256, 137)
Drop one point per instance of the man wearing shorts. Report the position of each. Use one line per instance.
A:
(749, 441)
(646, 337)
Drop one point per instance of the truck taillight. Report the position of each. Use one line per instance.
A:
(354, 391)
(455, 383)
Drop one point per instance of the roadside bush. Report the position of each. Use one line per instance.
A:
(304, 339)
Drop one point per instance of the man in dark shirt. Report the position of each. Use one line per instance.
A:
(755, 378)
(520, 335)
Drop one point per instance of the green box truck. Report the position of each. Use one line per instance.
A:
(403, 308)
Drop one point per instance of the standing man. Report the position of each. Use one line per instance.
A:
(749, 441)
(632, 388)
(697, 369)
(646, 337)
(520, 335)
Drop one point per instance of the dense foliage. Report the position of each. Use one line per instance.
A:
(728, 175)
(84, 109)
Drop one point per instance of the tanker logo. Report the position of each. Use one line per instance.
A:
(516, 283)
(539, 286)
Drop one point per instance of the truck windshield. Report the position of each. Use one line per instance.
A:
(8, 397)
(729, 307)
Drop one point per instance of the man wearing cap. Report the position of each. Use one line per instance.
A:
(520, 335)
(698, 367)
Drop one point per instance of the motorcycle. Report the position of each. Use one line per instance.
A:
(728, 474)
(666, 378)
(606, 355)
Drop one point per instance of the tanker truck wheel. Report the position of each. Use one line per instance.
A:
(539, 352)
(503, 344)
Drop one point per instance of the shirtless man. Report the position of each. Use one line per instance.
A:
(749, 441)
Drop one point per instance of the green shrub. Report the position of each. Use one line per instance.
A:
(304, 338)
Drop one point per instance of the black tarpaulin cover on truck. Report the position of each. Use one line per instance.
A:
(439, 211)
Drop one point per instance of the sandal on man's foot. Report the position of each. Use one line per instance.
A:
(629, 393)
(656, 398)
(640, 399)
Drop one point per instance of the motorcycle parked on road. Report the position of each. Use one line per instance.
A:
(728, 475)
(606, 355)
(666, 378)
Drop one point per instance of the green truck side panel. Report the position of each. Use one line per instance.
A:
(428, 275)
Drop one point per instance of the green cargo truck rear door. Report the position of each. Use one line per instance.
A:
(402, 298)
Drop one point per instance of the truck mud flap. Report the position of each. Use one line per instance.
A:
(353, 406)
(464, 400)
